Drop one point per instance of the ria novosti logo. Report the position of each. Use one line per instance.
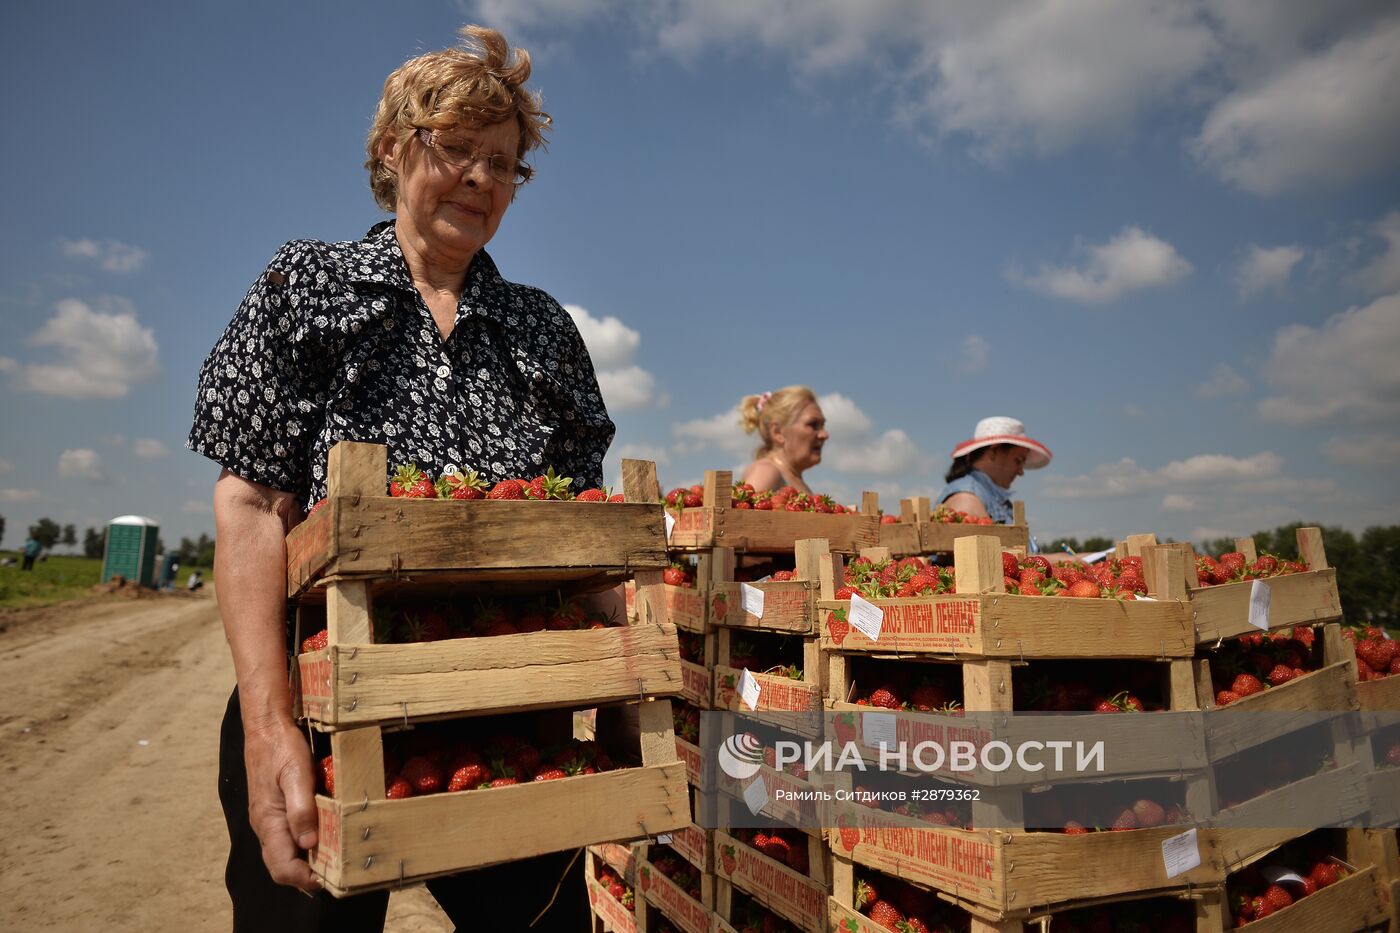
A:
(740, 756)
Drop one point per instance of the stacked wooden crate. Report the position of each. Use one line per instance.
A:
(362, 549)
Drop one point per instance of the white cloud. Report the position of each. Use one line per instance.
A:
(1131, 261)
(80, 464)
(722, 431)
(1344, 370)
(19, 495)
(611, 344)
(1179, 503)
(197, 507)
(1382, 274)
(1126, 477)
(1326, 116)
(974, 355)
(1223, 381)
(111, 255)
(1266, 269)
(148, 448)
(844, 417)
(100, 354)
(893, 453)
(1377, 451)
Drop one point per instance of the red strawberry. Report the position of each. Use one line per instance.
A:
(777, 848)
(884, 697)
(461, 486)
(886, 915)
(1149, 813)
(1010, 564)
(845, 727)
(1377, 653)
(423, 773)
(1226, 697)
(865, 895)
(592, 495)
(1126, 820)
(409, 482)
(1279, 675)
(1325, 873)
(617, 497)
(507, 489)
(1246, 685)
(1277, 896)
(316, 642)
(1073, 828)
(675, 575)
(1392, 755)
(1085, 589)
(468, 774)
(328, 775)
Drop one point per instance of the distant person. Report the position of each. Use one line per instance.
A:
(979, 481)
(792, 428)
(172, 567)
(194, 582)
(31, 549)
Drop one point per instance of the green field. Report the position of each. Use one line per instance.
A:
(57, 579)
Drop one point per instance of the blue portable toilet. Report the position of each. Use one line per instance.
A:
(131, 549)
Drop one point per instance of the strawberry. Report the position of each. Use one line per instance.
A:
(468, 774)
(1246, 685)
(568, 616)
(1010, 564)
(398, 788)
(1226, 697)
(1277, 896)
(1084, 589)
(777, 848)
(409, 482)
(549, 486)
(884, 697)
(316, 642)
(315, 507)
(1325, 873)
(1149, 813)
(423, 773)
(1126, 820)
(328, 775)
(865, 895)
(617, 497)
(885, 914)
(1392, 755)
(592, 495)
(550, 774)
(675, 575)
(507, 489)
(461, 486)
(1377, 653)
(1279, 675)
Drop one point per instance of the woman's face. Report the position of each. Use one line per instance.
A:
(455, 211)
(800, 442)
(1004, 463)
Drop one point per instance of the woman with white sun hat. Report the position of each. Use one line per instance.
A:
(979, 481)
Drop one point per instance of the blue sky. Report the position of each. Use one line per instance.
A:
(1165, 235)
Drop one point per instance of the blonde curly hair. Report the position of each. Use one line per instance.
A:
(480, 83)
(759, 413)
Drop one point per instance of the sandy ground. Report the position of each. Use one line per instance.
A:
(110, 820)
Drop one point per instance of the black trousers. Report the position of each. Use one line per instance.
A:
(504, 897)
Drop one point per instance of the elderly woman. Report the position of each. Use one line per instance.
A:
(409, 337)
(792, 428)
(983, 469)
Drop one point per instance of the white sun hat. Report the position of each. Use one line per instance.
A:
(1003, 430)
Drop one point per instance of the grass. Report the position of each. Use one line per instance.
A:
(58, 579)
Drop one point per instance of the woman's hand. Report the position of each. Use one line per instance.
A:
(281, 799)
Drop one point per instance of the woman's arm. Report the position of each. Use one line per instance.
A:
(251, 570)
(966, 502)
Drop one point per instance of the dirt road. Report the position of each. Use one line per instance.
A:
(109, 712)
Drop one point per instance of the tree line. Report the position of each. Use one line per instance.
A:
(198, 552)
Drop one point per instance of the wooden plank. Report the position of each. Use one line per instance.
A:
(379, 536)
(977, 566)
(422, 837)
(358, 758)
(1310, 548)
(1379, 695)
(608, 914)
(1295, 599)
(1246, 547)
(688, 914)
(869, 503)
(348, 613)
(1018, 512)
(769, 532)
(1250, 829)
(719, 489)
(939, 537)
(901, 539)
(657, 736)
(1230, 729)
(357, 469)
(639, 481)
(1351, 904)
(987, 686)
(537, 670)
(1134, 544)
(1164, 569)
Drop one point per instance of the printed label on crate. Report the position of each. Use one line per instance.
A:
(693, 522)
(750, 691)
(719, 606)
(753, 600)
(756, 794)
(314, 675)
(951, 860)
(682, 909)
(326, 856)
(609, 910)
(879, 729)
(695, 684)
(690, 757)
(1259, 599)
(670, 524)
(685, 607)
(787, 892)
(842, 919)
(866, 617)
(308, 546)
(908, 729)
(1180, 854)
(692, 845)
(924, 625)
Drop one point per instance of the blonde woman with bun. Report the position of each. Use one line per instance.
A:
(792, 428)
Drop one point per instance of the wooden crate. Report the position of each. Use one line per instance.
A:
(1379, 695)
(984, 621)
(842, 916)
(682, 910)
(717, 524)
(798, 897)
(620, 857)
(368, 842)
(609, 916)
(1010, 875)
(1383, 793)
(362, 531)
(1222, 611)
(915, 535)
(802, 699)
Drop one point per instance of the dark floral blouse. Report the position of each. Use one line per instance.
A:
(334, 343)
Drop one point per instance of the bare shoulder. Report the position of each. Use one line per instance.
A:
(966, 502)
(762, 475)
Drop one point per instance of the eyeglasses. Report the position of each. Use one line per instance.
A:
(460, 153)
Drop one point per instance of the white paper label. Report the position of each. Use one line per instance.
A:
(664, 839)
(877, 729)
(1180, 854)
(749, 689)
(753, 600)
(1146, 599)
(670, 524)
(1276, 875)
(867, 618)
(756, 795)
(1259, 596)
